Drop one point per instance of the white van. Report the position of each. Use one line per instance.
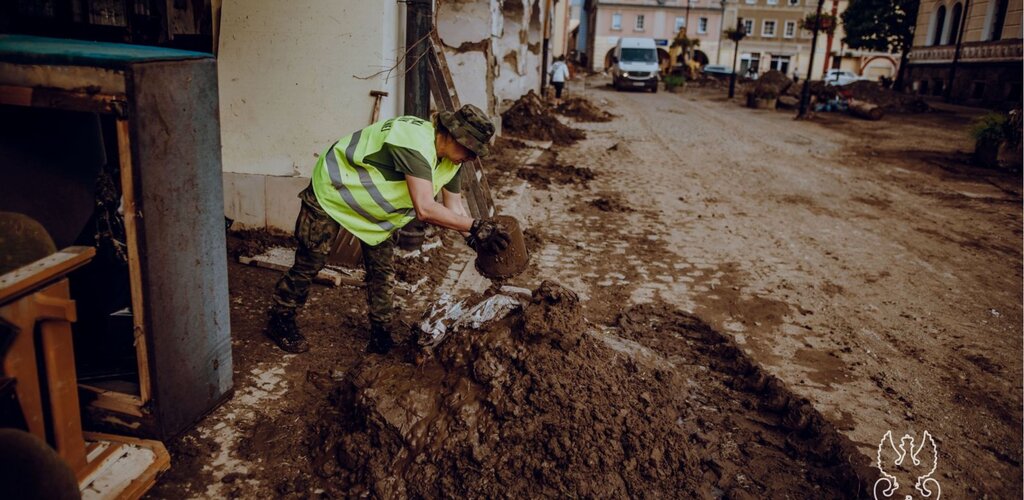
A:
(635, 64)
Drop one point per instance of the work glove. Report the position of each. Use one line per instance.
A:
(487, 235)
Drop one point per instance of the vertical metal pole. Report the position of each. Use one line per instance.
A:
(805, 93)
(419, 21)
(732, 78)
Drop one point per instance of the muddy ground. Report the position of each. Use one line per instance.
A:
(866, 266)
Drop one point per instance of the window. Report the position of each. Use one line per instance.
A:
(748, 26)
(639, 26)
(954, 25)
(749, 63)
(702, 25)
(793, 3)
(751, 2)
(768, 28)
(680, 23)
(790, 29)
(773, 2)
(780, 64)
(616, 21)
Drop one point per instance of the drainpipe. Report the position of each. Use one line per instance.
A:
(956, 54)
(545, 48)
(721, 31)
(418, 23)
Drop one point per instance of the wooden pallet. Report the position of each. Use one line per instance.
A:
(475, 189)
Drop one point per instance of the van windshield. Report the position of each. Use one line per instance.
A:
(639, 55)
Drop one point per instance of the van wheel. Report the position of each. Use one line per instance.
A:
(654, 88)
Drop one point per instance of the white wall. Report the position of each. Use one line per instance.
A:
(289, 88)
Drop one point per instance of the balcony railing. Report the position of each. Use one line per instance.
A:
(1000, 51)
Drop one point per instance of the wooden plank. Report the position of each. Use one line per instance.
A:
(117, 402)
(477, 191)
(144, 481)
(62, 99)
(131, 227)
(324, 277)
(19, 362)
(54, 313)
(30, 276)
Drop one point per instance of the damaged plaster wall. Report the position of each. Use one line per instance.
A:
(493, 49)
(293, 78)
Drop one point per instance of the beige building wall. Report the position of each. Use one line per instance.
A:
(294, 77)
(660, 20)
(980, 17)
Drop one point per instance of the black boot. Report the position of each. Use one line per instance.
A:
(282, 329)
(380, 340)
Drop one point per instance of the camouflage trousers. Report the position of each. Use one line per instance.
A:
(316, 232)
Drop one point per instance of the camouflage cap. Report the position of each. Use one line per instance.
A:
(470, 127)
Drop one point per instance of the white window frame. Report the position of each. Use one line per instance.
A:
(764, 28)
(638, 24)
(680, 24)
(617, 22)
(789, 30)
(702, 25)
(748, 26)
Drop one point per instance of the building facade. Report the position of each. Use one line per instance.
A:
(774, 37)
(970, 50)
(609, 20)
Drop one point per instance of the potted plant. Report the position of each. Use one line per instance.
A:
(675, 83)
(989, 133)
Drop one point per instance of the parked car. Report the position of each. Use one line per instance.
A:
(840, 77)
(716, 70)
(635, 64)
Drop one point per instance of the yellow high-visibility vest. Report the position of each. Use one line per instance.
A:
(357, 195)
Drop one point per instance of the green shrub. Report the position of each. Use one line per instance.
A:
(674, 81)
(990, 128)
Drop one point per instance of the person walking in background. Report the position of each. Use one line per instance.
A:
(559, 74)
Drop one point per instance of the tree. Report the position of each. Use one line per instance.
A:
(882, 26)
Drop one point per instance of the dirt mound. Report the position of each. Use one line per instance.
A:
(546, 170)
(541, 404)
(250, 242)
(583, 110)
(771, 85)
(532, 118)
(888, 99)
(610, 204)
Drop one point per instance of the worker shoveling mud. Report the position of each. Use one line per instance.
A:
(541, 403)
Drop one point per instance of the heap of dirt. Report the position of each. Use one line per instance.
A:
(540, 404)
(583, 110)
(547, 170)
(771, 85)
(531, 118)
(610, 204)
(889, 100)
(251, 242)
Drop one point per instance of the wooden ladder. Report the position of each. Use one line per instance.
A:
(474, 183)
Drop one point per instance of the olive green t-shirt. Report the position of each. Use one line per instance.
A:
(396, 162)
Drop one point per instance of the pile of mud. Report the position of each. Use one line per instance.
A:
(771, 85)
(250, 242)
(582, 110)
(547, 170)
(541, 403)
(888, 99)
(531, 118)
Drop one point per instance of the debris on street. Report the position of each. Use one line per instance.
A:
(532, 118)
